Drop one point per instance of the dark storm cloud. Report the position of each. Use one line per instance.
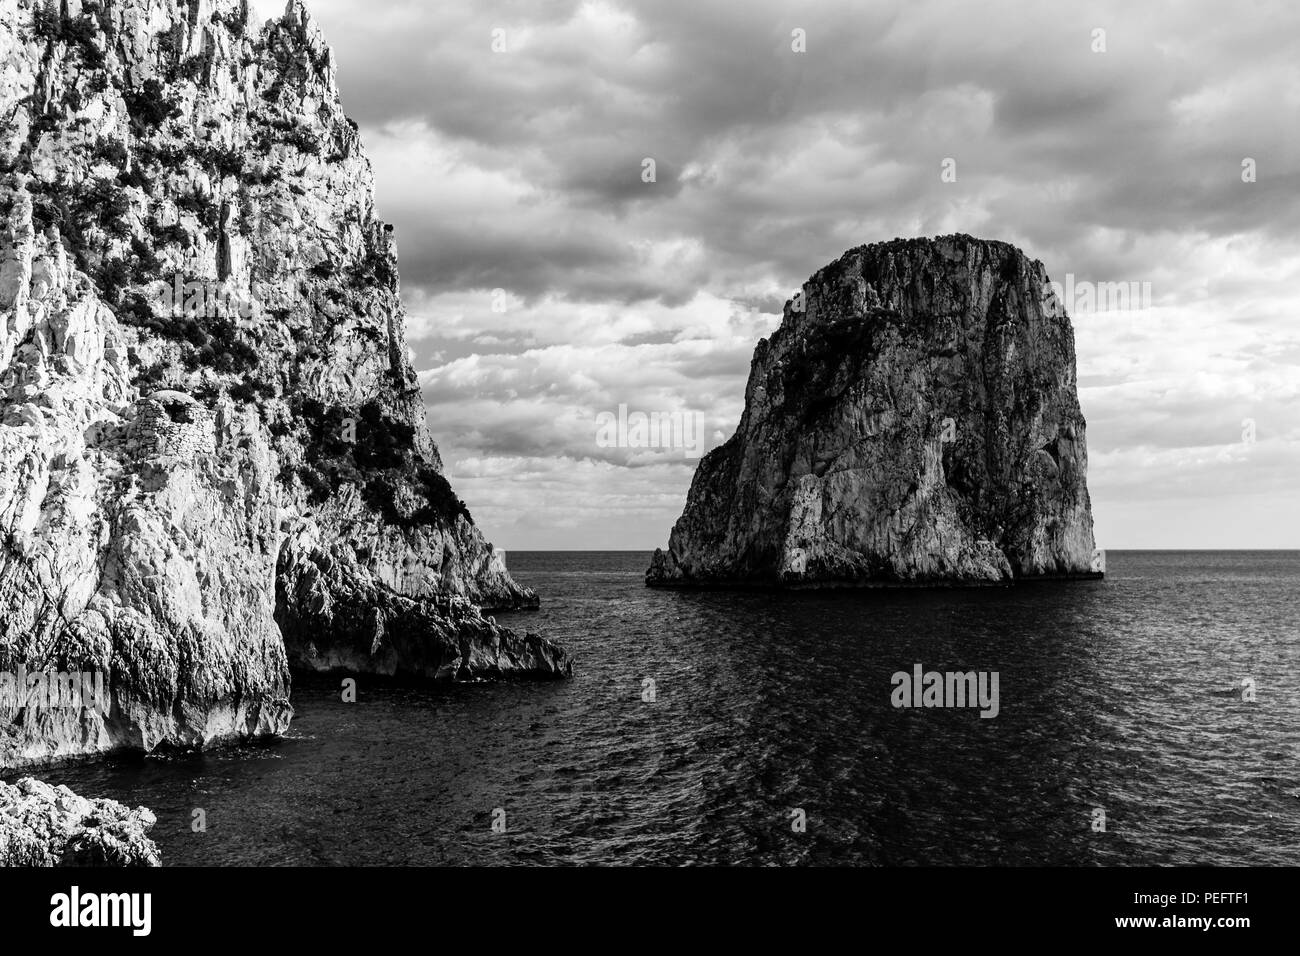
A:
(446, 255)
(1015, 94)
(522, 171)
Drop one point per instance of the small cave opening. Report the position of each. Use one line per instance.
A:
(179, 412)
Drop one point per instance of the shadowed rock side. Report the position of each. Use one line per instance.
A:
(42, 825)
(915, 422)
(337, 619)
(205, 385)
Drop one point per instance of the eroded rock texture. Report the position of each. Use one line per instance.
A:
(914, 420)
(213, 452)
(42, 825)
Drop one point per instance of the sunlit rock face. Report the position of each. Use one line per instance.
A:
(42, 825)
(914, 420)
(214, 459)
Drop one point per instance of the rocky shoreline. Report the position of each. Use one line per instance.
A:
(47, 826)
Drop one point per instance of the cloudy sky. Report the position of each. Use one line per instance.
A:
(1115, 156)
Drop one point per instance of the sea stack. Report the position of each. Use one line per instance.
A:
(913, 421)
(214, 461)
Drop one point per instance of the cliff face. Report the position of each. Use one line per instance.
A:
(214, 460)
(914, 420)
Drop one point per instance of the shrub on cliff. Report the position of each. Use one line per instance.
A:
(149, 105)
(81, 33)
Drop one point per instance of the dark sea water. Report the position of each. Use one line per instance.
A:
(1122, 695)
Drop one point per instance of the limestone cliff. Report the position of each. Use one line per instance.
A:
(914, 420)
(214, 461)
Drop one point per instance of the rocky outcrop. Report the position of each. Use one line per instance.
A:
(336, 618)
(914, 420)
(207, 405)
(42, 825)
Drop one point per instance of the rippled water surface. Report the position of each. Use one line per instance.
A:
(1123, 695)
